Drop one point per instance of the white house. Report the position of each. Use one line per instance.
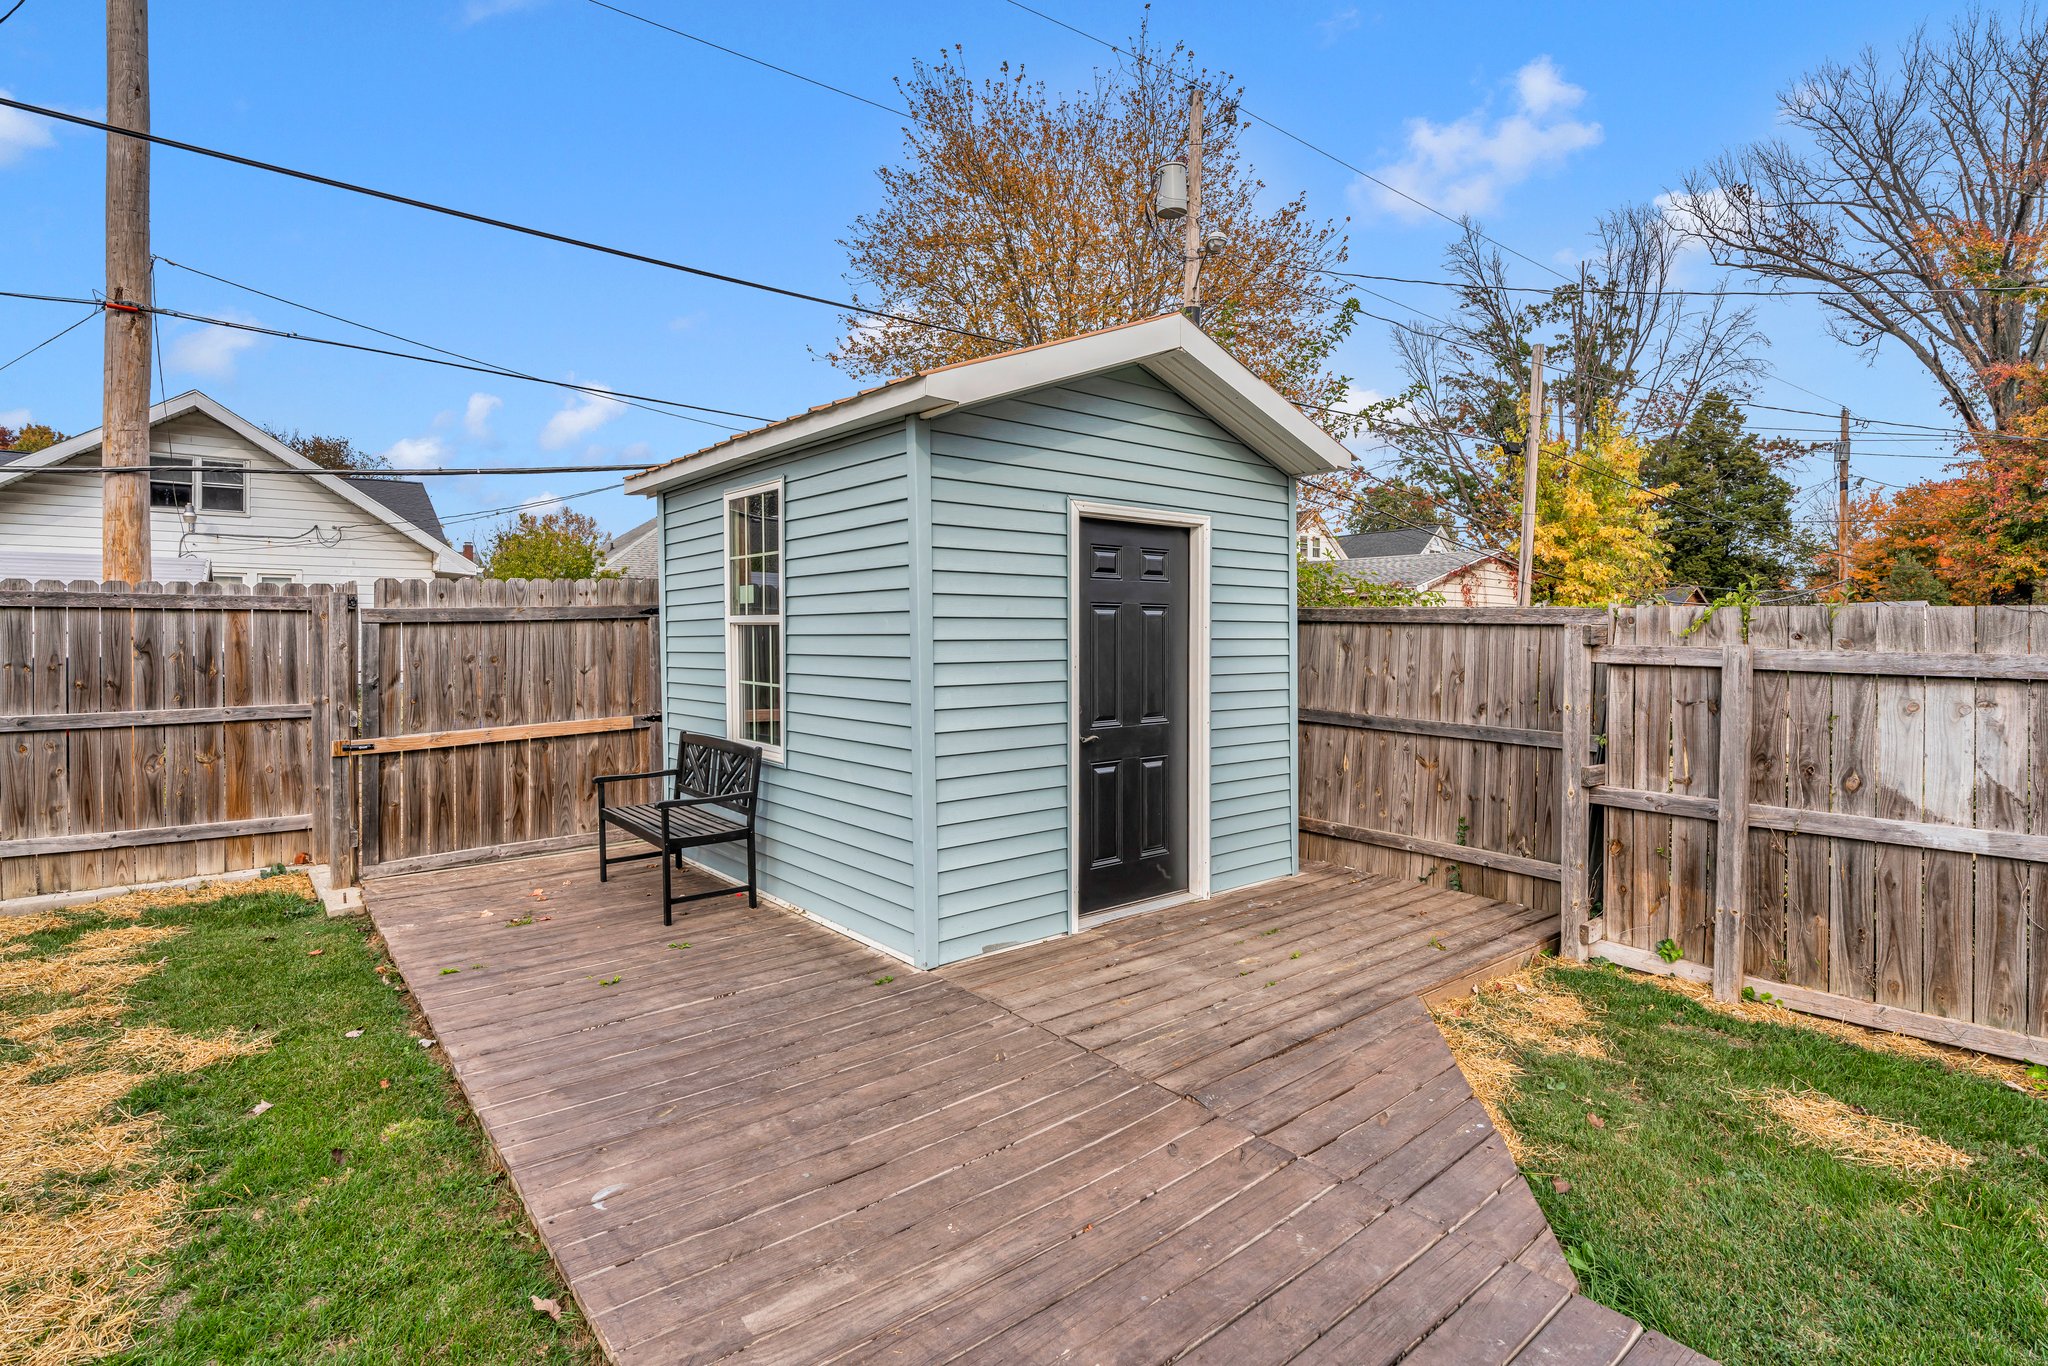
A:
(1426, 560)
(228, 502)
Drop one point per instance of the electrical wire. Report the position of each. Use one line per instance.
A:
(10, 13)
(53, 337)
(637, 401)
(757, 61)
(486, 220)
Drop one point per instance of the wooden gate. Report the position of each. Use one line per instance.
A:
(487, 709)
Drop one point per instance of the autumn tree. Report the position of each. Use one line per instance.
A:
(1728, 522)
(30, 437)
(1627, 351)
(563, 544)
(1889, 154)
(330, 452)
(1017, 216)
(1598, 526)
(1393, 505)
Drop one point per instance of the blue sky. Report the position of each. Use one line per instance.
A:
(558, 114)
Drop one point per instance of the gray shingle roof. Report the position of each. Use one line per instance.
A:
(1409, 571)
(634, 552)
(1368, 545)
(406, 497)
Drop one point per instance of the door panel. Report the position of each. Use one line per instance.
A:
(1133, 697)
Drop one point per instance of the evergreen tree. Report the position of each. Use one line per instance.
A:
(1728, 521)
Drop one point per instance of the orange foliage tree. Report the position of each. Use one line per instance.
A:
(1025, 217)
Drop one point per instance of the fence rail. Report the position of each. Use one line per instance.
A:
(1878, 852)
(154, 732)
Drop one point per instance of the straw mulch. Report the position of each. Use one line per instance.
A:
(1820, 1121)
(1524, 1010)
(84, 1213)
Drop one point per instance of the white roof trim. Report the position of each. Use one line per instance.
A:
(446, 559)
(1171, 348)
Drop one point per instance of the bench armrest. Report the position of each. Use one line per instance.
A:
(705, 801)
(629, 777)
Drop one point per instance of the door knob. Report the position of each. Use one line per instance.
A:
(1090, 739)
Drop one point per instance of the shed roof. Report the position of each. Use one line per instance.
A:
(1407, 540)
(1171, 348)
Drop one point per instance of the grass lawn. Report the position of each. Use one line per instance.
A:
(216, 1171)
(1764, 1190)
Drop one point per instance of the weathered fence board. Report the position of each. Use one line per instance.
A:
(489, 707)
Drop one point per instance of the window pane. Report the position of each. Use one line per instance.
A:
(221, 489)
(758, 678)
(754, 540)
(170, 482)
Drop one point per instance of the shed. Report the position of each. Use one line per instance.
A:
(1016, 635)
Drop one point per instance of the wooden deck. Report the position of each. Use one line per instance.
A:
(1225, 1133)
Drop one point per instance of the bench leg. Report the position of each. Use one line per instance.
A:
(603, 865)
(753, 898)
(668, 904)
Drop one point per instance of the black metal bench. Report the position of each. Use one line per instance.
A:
(713, 789)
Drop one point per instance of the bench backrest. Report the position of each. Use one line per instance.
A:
(708, 766)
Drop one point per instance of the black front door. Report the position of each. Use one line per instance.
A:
(1133, 823)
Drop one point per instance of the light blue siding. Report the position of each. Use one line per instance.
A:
(1002, 476)
(836, 818)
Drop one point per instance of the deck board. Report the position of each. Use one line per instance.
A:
(1227, 1131)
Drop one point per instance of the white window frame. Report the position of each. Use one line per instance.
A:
(194, 468)
(734, 729)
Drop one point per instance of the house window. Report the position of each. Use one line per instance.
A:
(220, 486)
(753, 617)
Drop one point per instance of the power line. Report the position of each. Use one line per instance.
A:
(636, 400)
(486, 369)
(757, 61)
(1674, 293)
(10, 13)
(462, 472)
(53, 337)
(506, 225)
(1296, 137)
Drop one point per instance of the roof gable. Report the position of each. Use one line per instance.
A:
(384, 504)
(1171, 348)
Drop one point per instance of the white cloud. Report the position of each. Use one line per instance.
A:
(578, 418)
(1338, 24)
(1465, 166)
(476, 417)
(21, 134)
(14, 417)
(208, 351)
(416, 452)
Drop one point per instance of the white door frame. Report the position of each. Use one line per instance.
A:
(1198, 529)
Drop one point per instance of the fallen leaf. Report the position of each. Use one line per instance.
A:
(1561, 1186)
(353, 1034)
(426, 1043)
(1595, 1120)
(314, 953)
(384, 1085)
(259, 1107)
(552, 1308)
(538, 895)
(339, 1156)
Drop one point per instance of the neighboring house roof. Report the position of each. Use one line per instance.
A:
(1413, 571)
(401, 503)
(1171, 348)
(634, 553)
(1406, 540)
(406, 497)
(1685, 595)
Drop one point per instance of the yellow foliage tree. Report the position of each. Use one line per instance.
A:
(1597, 526)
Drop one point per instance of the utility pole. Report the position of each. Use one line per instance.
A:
(1532, 446)
(1842, 510)
(124, 431)
(1191, 229)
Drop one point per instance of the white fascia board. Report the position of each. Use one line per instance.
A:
(878, 409)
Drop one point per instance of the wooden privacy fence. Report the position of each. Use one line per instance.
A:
(1883, 858)
(489, 707)
(164, 731)
(156, 732)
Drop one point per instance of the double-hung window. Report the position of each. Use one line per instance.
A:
(209, 485)
(753, 617)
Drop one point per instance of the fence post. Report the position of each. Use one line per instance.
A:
(1731, 825)
(1574, 931)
